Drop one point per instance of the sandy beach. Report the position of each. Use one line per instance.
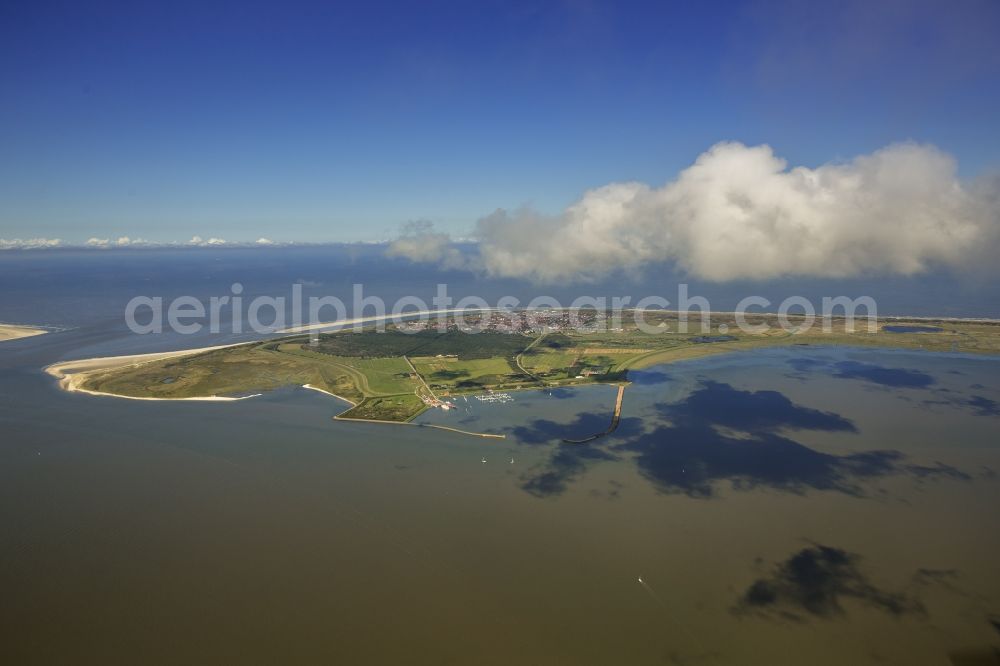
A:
(403, 316)
(13, 332)
(333, 326)
(72, 374)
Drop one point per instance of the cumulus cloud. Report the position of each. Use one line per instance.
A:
(125, 241)
(739, 212)
(420, 242)
(121, 241)
(29, 243)
(201, 242)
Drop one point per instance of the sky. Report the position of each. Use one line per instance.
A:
(327, 121)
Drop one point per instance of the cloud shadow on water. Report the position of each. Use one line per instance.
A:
(717, 403)
(877, 374)
(721, 436)
(867, 372)
(567, 463)
(977, 405)
(983, 406)
(543, 431)
(648, 377)
(806, 364)
(720, 433)
(814, 582)
(693, 459)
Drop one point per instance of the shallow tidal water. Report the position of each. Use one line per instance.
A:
(837, 505)
(803, 505)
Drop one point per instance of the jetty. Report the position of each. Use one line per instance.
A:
(615, 420)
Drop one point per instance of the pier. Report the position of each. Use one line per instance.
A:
(615, 420)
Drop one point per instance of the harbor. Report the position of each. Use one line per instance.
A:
(495, 397)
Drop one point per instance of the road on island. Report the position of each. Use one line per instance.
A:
(419, 376)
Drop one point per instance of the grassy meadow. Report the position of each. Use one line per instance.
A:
(390, 375)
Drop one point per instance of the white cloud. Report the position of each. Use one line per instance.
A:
(95, 242)
(420, 242)
(121, 241)
(198, 240)
(29, 243)
(739, 212)
(125, 241)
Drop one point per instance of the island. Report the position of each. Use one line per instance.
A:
(395, 374)
(16, 331)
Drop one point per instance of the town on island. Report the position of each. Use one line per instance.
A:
(393, 373)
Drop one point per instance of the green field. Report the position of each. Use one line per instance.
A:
(372, 369)
(390, 408)
(383, 376)
(232, 371)
(394, 343)
(447, 375)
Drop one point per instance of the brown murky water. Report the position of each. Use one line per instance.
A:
(802, 506)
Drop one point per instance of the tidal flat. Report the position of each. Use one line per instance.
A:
(838, 503)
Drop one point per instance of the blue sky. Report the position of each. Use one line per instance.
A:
(341, 121)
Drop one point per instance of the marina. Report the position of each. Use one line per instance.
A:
(495, 396)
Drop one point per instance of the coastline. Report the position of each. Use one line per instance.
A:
(337, 325)
(338, 397)
(394, 318)
(72, 374)
(17, 331)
